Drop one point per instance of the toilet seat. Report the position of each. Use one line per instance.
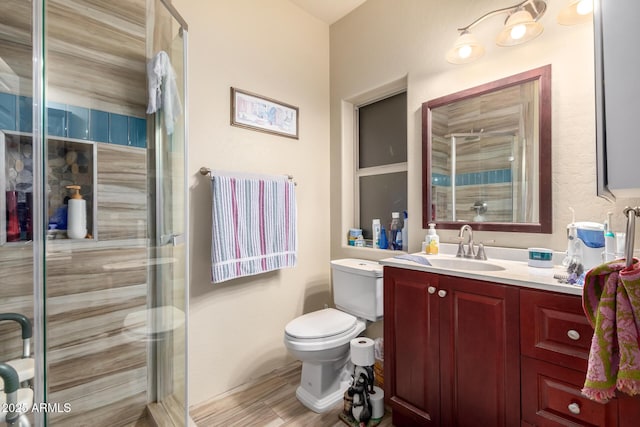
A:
(322, 329)
(322, 323)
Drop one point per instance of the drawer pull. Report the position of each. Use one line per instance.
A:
(573, 334)
(442, 293)
(574, 408)
(431, 289)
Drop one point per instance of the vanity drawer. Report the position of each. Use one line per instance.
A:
(551, 397)
(553, 328)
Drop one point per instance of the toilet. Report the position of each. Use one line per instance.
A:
(321, 339)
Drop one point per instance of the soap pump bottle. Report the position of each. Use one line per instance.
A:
(433, 240)
(77, 214)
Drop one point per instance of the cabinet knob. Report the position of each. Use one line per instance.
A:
(573, 334)
(431, 289)
(442, 293)
(574, 408)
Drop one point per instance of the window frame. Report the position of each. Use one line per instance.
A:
(371, 170)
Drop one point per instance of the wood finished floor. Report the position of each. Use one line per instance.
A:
(269, 401)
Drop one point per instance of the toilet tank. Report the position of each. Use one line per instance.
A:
(358, 287)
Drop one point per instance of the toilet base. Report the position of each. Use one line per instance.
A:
(324, 404)
(322, 385)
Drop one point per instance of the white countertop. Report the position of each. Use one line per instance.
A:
(516, 273)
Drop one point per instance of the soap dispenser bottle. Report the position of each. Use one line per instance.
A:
(77, 214)
(433, 240)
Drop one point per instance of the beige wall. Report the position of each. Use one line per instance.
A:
(385, 40)
(275, 49)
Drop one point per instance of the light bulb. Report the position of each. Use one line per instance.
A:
(464, 51)
(518, 31)
(584, 7)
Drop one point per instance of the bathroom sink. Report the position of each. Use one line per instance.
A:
(464, 264)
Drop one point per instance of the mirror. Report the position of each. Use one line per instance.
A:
(487, 156)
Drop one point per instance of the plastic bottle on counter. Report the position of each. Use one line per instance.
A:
(433, 241)
(609, 240)
(394, 228)
(376, 233)
(384, 244)
(405, 228)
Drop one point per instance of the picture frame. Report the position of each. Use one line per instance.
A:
(257, 112)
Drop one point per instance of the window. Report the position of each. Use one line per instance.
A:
(381, 161)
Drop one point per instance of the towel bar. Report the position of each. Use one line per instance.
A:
(631, 214)
(207, 171)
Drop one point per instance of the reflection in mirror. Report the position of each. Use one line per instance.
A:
(487, 156)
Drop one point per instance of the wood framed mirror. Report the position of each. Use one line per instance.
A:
(486, 155)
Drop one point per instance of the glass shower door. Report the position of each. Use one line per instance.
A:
(169, 41)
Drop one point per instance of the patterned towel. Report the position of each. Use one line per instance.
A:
(611, 302)
(253, 226)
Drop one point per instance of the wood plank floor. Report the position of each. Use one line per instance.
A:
(269, 401)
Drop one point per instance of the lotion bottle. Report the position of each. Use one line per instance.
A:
(376, 233)
(433, 240)
(77, 214)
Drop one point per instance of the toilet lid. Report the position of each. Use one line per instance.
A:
(321, 323)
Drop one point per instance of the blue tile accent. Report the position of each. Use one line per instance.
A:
(99, 126)
(440, 180)
(138, 132)
(475, 178)
(78, 122)
(25, 114)
(8, 107)
(16, 113)
(56, 119)
(118, 129)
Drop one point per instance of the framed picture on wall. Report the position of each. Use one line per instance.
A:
(263, 114)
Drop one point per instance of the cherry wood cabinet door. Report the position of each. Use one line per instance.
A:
(479, 353)
(451, 350)
(411, 342)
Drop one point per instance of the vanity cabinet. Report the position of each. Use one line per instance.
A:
(463, 352)
(451, 350)
(556, 338)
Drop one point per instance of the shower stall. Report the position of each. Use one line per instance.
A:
(483, 177)
(108, 301)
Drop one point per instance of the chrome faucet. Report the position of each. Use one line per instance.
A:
(469, 253)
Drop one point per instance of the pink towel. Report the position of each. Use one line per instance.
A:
(611, 302)
(254, 226)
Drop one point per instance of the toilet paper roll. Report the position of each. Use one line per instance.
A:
(377, 402)
(362, 351)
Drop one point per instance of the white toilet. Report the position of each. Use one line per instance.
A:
(321, 339)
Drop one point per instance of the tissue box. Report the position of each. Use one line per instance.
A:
(540, 257)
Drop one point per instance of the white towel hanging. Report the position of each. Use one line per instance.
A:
(163, 90)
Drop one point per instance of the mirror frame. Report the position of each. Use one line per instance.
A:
(543, 76)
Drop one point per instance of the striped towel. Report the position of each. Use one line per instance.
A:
(254, 226)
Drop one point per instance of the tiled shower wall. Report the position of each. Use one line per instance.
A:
(91, 286)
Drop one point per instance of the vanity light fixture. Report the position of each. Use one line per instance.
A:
(520, 27)
(577, 12)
